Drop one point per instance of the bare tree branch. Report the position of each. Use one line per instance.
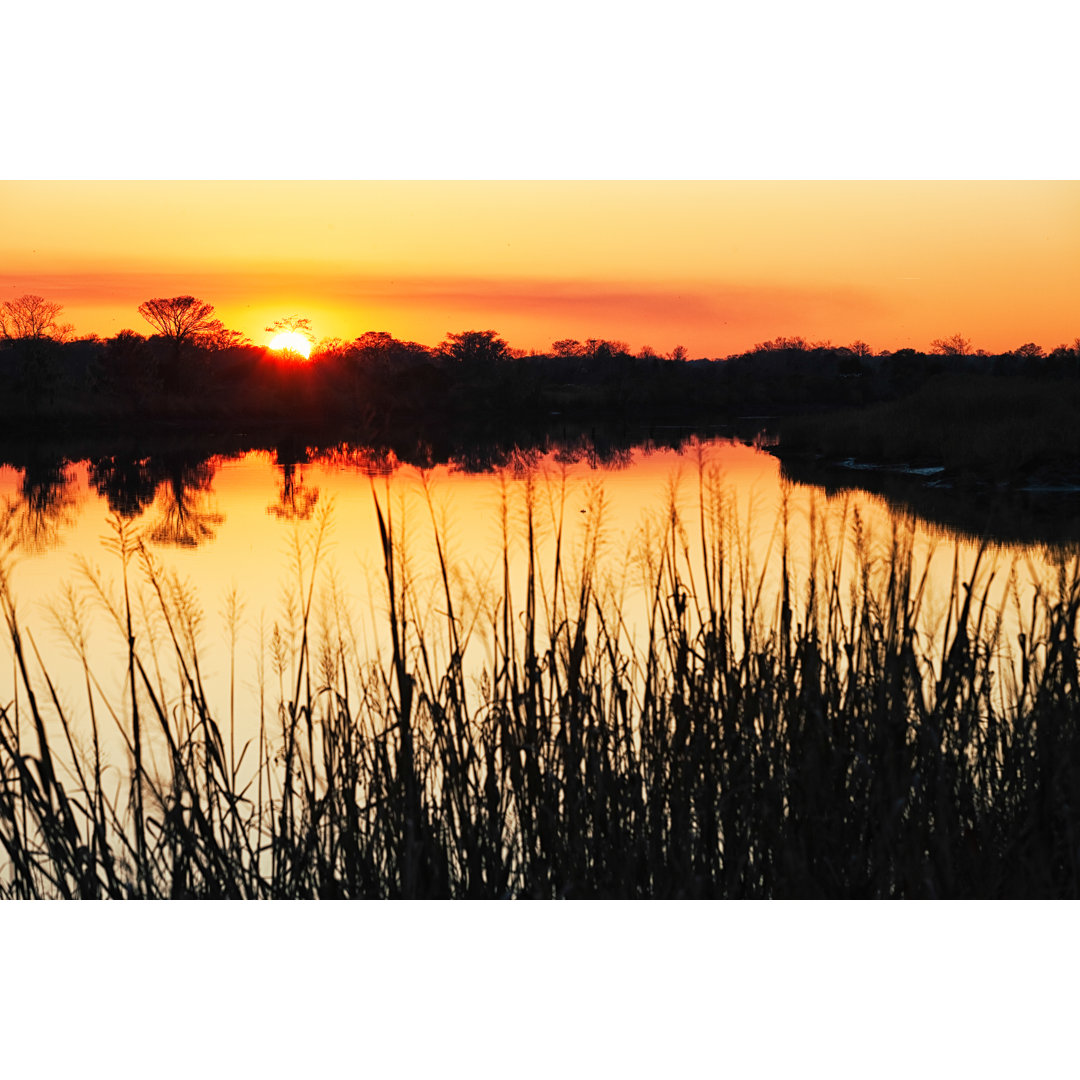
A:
(179, 318)
(30, 316)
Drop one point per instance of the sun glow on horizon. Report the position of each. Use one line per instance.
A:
(291, 341)
(716, 266)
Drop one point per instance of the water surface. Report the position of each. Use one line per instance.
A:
(240, 545)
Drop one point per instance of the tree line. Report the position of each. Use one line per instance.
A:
(192, 368)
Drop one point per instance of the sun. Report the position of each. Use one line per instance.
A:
(291, 341)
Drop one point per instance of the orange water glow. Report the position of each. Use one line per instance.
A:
(626, 506)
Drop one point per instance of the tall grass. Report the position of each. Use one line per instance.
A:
(541, 740)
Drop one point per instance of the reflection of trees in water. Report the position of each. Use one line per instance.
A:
(597, 453)
(610, 457)
(295, 501)
(1002, 518)
(184, 514)
(491, 457)
(44, 506)
(601, 446)
(518, 463)
(178, 487)
(370, 460)
(128, 485)
(520, 457)
(485, 455)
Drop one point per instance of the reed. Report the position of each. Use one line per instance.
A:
(532, 740)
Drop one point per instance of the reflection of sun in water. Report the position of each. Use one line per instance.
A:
(293, 342)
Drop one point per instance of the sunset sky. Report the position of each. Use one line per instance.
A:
(713, 265)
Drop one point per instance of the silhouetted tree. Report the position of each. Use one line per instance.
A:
(1030, 351)
(218, 339)
(567, 347)
(1065, 360)
(783, 344)
(292, 324)
(861, 349)
(30, 317)
(127, 369)
(377, 348)
(375, 340)
(180, 319)
(32, 338)
(475, 347)
(957, 345)
(333, 350)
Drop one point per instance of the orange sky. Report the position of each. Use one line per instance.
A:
(713, 265)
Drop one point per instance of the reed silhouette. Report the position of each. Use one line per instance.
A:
(521, 741)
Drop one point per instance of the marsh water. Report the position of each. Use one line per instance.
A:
(240, 544)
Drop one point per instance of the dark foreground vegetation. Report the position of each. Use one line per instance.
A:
(826, 744)
(1018, 430)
